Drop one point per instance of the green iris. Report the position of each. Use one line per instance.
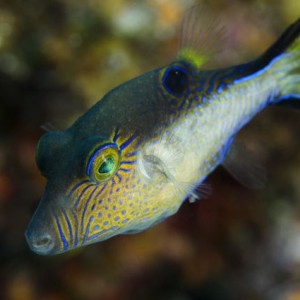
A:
(107, 166)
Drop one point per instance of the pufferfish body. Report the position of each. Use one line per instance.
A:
(132, 159)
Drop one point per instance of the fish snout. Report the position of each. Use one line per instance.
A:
(41, 243)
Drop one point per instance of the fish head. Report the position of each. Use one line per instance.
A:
(107, 174)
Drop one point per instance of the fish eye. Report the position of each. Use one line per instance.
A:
(103, 162)
(107, 166)
(175, 80)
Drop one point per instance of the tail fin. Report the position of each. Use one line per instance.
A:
(285, 54)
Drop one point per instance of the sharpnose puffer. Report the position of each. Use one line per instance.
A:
(132, 159)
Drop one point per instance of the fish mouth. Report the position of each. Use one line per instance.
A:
(42, 244)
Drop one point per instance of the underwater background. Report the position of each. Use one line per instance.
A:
(57, 58)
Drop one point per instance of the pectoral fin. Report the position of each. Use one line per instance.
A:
(242, 164)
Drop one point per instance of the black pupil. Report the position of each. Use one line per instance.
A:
(176, 81)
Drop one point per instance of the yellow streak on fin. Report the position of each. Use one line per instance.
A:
(193, 57)
(202, 34)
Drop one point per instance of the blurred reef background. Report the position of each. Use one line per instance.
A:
(57, 58)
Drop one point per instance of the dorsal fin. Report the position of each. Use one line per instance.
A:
(201, 36)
